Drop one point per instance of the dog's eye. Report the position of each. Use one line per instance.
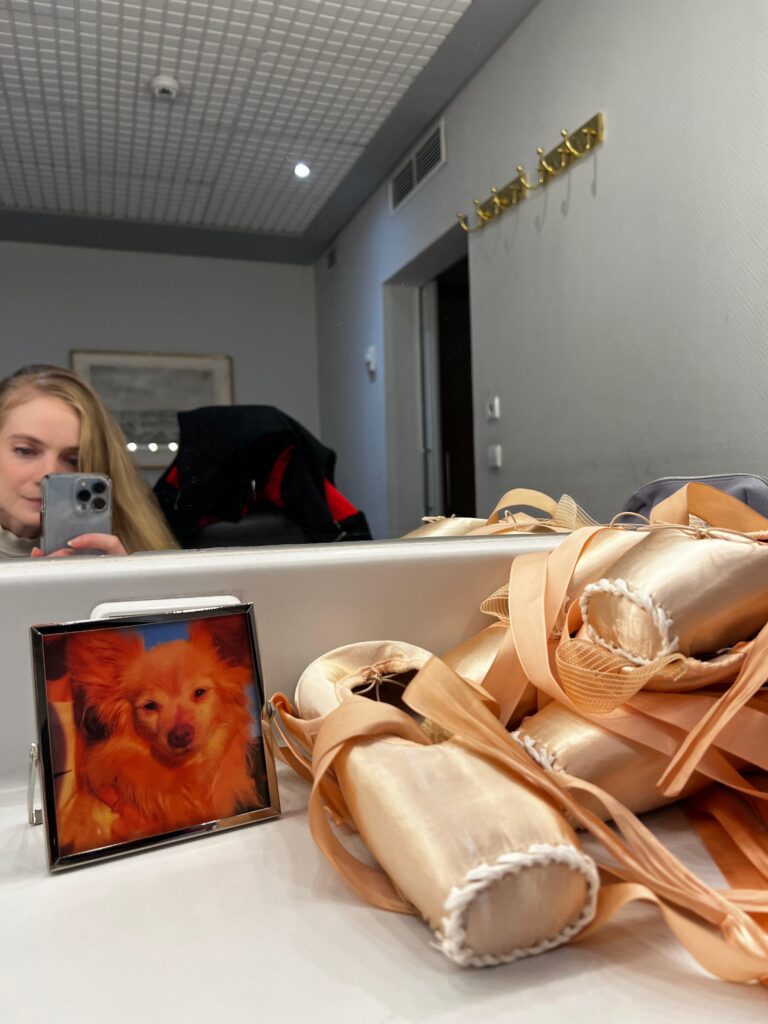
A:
(200, 691)
(151, 705)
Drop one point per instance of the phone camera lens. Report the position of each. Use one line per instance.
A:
(98, 487)
(84, 494)
(98, 504)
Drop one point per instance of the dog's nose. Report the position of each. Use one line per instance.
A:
(181, 736)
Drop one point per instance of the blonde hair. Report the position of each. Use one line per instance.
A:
(136, 516)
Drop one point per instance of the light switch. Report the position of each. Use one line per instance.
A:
(493, 408)
(370, 362)
(495, 456)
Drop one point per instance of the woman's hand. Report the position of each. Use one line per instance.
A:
(104, 542)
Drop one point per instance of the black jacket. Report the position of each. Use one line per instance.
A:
(227, 459)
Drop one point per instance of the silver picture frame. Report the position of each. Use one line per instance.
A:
(128, 762)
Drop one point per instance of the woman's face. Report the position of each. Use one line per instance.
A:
(39, 436)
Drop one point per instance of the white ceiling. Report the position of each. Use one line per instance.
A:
(264, 83)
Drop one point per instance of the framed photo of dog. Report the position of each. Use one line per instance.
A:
(149, 730)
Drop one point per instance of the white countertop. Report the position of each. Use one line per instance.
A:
(253, 925)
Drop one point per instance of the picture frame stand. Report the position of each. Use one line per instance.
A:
(34, 814)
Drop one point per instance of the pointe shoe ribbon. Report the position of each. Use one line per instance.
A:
(693, 912)
(648, 870)
(660, 703)
(560, 516)
(494, 869)
(399, 790)
(699, 502)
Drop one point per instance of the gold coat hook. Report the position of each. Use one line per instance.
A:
(462, 219)
(484, 215)
(589, 133)
(529, 186)
(569, 146)
(500, 202)
(550, 168)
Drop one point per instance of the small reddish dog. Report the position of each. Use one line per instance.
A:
(162, 737)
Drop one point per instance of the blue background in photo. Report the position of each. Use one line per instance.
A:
(163, 633)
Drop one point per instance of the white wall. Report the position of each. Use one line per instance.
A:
(54, 298)
(621, 313)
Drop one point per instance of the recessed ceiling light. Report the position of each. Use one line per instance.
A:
(301, 170)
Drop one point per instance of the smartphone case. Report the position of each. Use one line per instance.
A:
(67, 512)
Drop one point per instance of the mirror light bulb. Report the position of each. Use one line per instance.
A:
(131, 446)
(152, 446)
(301, 170)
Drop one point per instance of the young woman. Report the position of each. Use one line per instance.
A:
(51, 421)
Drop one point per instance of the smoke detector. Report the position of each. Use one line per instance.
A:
(165, 87)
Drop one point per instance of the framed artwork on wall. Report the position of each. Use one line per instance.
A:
(145, 390)
(149, 731)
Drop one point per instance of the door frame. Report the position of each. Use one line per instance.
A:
(431, 422)
(402, 364)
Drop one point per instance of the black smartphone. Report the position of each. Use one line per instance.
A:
(72, 504)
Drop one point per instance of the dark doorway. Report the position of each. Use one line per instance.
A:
(455, 389)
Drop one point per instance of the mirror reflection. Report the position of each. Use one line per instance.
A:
(277, 183)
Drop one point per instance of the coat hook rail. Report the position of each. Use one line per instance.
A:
(573, 147)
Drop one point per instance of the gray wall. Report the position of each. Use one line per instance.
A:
(621, 312)
(53, 299)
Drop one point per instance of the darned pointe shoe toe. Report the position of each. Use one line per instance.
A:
(493, 868)
(525, 903)
(715, 597)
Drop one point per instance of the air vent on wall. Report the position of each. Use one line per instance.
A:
(429, 154)
(424, 159)
(402, 184)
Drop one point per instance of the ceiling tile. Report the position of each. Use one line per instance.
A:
(263, 83)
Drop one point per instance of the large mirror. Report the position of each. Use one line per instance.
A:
(278, 182)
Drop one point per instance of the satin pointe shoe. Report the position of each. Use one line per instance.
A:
(560, 740)
(679, 624)
(491, 866)
(679, 591)
(656, 635)
(466, 830)
(508, 516)
(380, 669)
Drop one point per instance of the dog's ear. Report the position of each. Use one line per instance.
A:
(102, 653)
(97, 660)
(226, 634)
(87, 718)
